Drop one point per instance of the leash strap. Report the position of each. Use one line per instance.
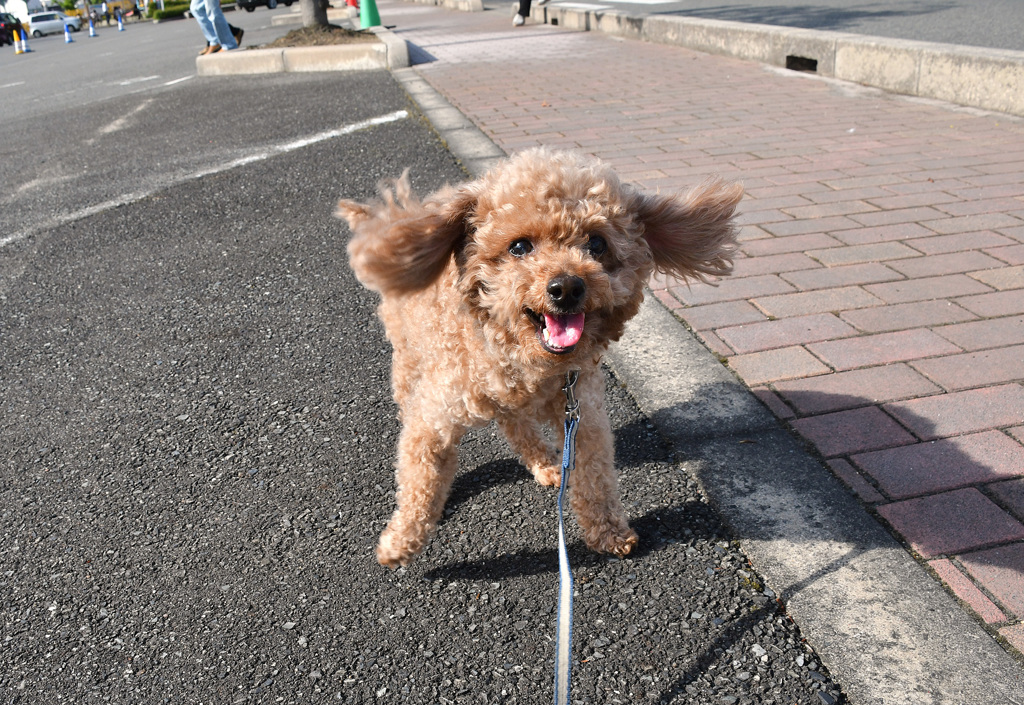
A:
(563, 637)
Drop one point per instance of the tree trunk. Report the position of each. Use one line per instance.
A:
(314, 12)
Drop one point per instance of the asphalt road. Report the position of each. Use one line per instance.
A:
(197, 438)
(995, 24)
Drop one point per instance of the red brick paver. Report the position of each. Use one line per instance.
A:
(1014, 635)
(844, 390)
(990, 333)
(730, 290)
(1011, 255)
(844, 275)
(728, 313)
(775, 365)
(861, 487)
(999, 570)
(823, 301)
(926, 288)
(1011, 495)
(953, 263)
(854, 431)
(937, 466)
(766, 335)
(967, 591)
(976, 369)
(882, 349)
(961, 412)
(940, 244)
(881, 319)
(857, 254)
(1003, 303)
(953, 522)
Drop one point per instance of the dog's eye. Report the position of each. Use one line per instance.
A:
(596, 246)
(520, 248)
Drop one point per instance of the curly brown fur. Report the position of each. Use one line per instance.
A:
(491, 291)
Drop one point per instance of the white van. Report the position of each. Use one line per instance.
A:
(42, 23)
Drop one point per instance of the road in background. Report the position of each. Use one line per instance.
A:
(996, 24)
(56, 76)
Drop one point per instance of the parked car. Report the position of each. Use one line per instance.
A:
(42, 23)
(8, 23)
(250, 5)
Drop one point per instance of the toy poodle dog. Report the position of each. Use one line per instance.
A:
(491, 291)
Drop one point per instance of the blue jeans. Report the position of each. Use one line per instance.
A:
(211, 21)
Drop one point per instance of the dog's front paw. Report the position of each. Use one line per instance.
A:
(394, 553)
(617, 541)
(547, 475)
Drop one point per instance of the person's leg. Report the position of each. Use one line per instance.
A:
(220, 25)
(198, 10)
(522, 14)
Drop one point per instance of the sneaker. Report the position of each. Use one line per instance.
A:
(239, 33)
(518, 20)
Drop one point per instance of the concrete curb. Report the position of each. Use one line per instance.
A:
(461, 136)
(461, 5)
(390, 52)
(990, 79)
(887, 631)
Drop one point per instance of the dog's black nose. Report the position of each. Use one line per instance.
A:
(567, 292)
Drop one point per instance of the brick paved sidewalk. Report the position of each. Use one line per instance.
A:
(878, 299)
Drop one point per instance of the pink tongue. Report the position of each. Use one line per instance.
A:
(563, 331)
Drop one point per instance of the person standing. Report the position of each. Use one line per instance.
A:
(214, 26)
(524, 11)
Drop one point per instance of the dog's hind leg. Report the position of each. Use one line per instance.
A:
(427, 462)
(537, 453)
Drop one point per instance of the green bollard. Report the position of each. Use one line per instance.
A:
(368, 16)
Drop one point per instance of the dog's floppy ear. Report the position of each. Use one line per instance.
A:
(401, 244)
(692, 236)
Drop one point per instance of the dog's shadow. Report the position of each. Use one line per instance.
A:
(658, 529)
(635, 444)
(485, 477)
(638, 443)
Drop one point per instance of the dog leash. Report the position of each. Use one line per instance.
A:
(563, 635)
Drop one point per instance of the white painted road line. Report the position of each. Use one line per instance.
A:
(216, 169)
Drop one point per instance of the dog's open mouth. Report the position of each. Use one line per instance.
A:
(558, 333)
